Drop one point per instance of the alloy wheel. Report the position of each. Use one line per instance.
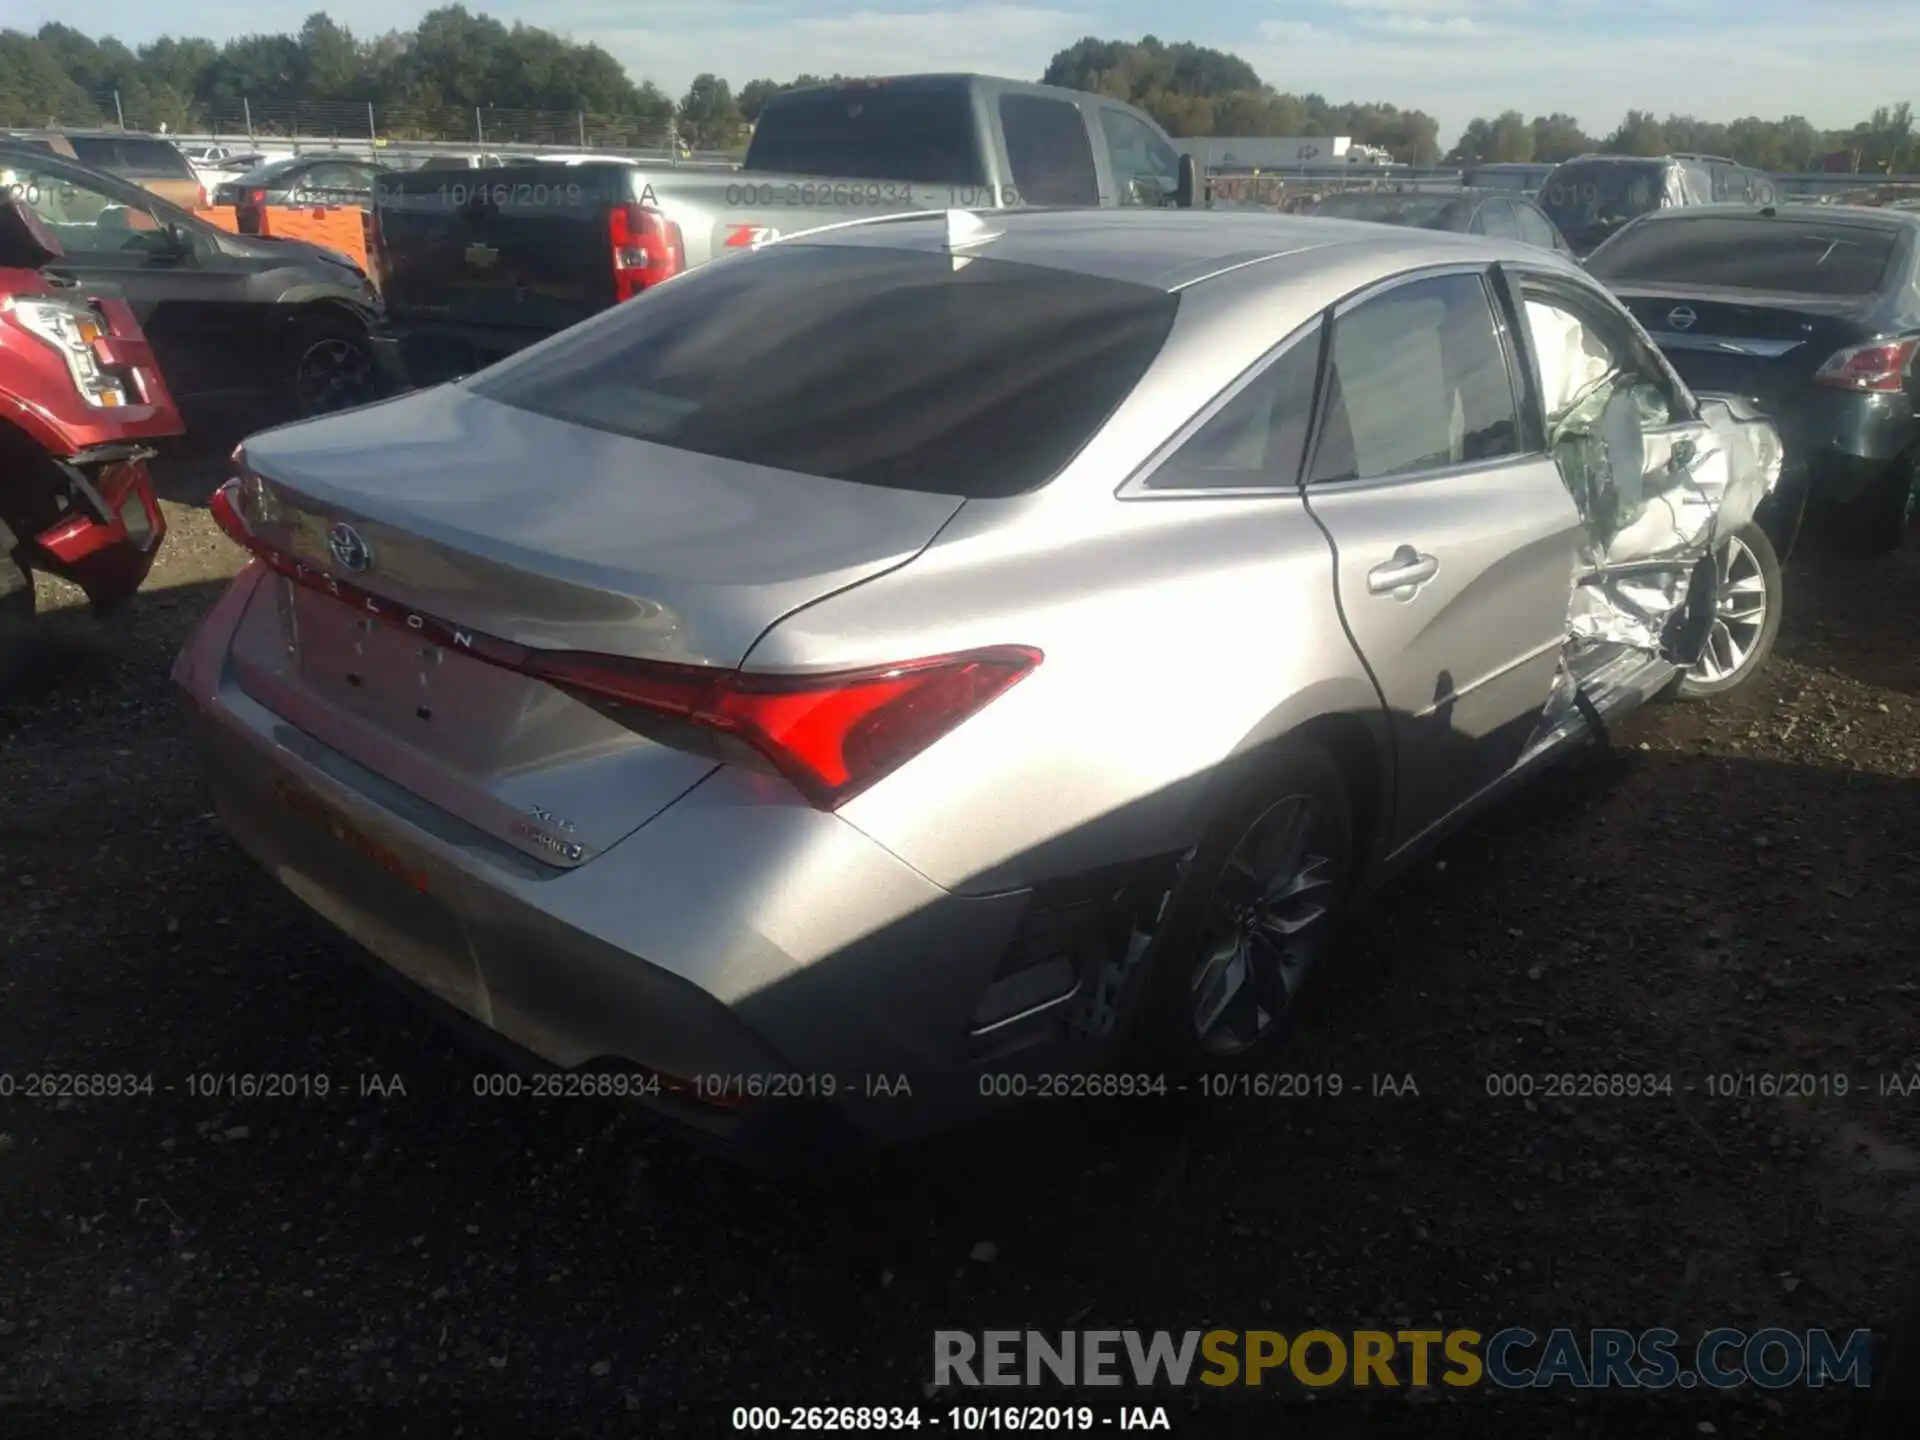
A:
(1265, 928)
(333, 374)
(1739, 614)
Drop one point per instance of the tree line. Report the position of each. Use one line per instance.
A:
(455, 61)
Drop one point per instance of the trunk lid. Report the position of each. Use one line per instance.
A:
(518, 247)
(1745, 342)
(473, 518)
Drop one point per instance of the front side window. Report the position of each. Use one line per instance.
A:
(1534, 227)
(87, 221)
(1048, 151)
(1602, 398)
(1418, 381)
(1496, 219)
(1141, 161)
(133, 157)
(879, 366)
(1258, 438)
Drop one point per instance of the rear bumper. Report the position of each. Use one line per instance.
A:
(1843, 442)
(769, 953)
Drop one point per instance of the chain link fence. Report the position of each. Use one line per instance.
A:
(343, 122)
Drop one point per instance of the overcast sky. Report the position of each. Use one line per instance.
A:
(1715, 59)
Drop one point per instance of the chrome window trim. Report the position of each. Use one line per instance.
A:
(1426, 476)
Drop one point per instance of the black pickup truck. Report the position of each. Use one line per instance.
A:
(476, 266)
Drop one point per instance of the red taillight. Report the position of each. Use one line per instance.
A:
(1880, 367)
(256, 197)
(225, 509)
(647, 248)
(832, 735)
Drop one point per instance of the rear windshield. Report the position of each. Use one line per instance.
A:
(1751, 253)
(45, 147)
(884, 367)
(1580, 195)
(919, 135)
(135, 159)
(1386, 209)
(273, 170)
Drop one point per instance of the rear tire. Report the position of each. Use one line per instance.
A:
(1876, 523)
(1741, 640)
(1247, 934)
(330, 365)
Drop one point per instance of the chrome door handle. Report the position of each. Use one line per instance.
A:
(1404, 574)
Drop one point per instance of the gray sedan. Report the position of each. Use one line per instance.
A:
(978, 656)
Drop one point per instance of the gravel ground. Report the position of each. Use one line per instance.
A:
(1734, 890)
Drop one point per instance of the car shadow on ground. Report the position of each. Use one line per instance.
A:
(1859, 616)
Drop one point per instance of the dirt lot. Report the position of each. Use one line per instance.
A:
(1737, 890)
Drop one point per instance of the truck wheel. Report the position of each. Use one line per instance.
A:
(1876, 523)
(1746, 618)
(330, 365)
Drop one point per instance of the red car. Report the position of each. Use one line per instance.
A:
(79, 395)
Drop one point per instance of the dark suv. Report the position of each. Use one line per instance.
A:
(1591, 196)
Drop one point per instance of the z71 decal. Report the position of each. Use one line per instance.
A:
(739, 237)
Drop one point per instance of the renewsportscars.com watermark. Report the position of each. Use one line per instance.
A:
(1514, 1358)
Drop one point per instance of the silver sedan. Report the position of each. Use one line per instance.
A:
(960, 655)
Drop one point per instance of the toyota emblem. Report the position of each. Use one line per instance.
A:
(1681, 317)
(346, 546)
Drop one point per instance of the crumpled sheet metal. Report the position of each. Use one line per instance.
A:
(1636, 578)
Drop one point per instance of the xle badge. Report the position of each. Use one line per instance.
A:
(569, 850)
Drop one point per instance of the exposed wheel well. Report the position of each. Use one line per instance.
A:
(308, 310)
(1356, 749)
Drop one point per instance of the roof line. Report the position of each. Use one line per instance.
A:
(1243, 264)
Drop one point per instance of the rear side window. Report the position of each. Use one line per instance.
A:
(1258, 438)
(883, 367)
(1496, 218)
(922, 135)
(1048, 151)
(1418, 381)
(134, 158)
(1138, 156)
(1534, 227)
(1751, 253)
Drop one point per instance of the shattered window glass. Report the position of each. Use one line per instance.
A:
(1600, 403)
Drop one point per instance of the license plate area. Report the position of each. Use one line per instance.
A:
(317, 812)
(465, 713)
